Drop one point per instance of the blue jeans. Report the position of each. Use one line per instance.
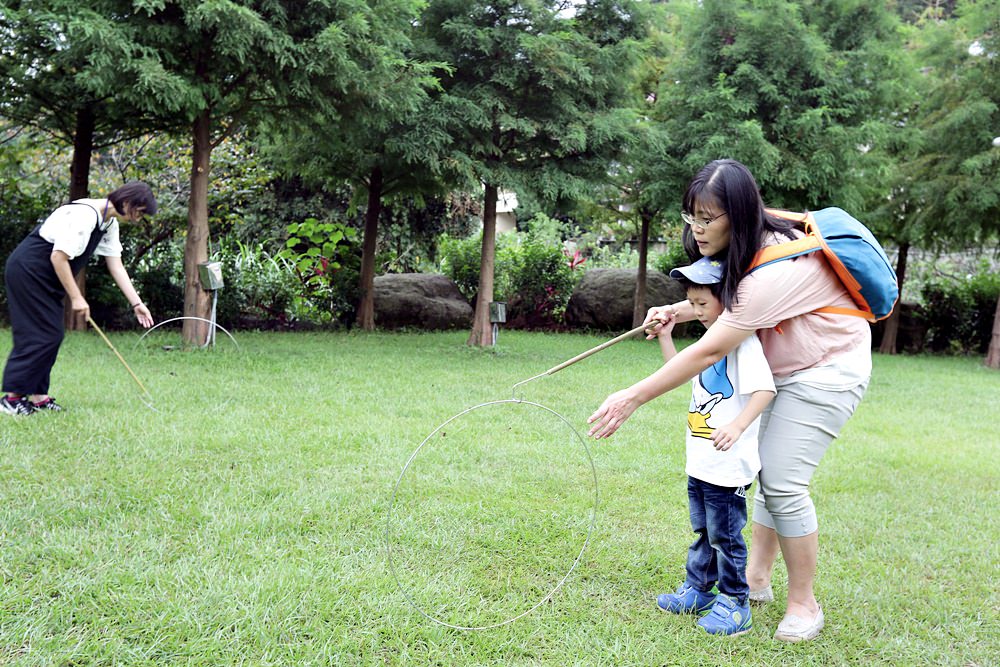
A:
(719, 554)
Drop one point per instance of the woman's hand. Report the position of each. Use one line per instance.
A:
(613, 412)
(80, 307)
(718, 341)
(143, 315)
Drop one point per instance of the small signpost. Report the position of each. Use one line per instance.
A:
(210, 275)
(498, 315)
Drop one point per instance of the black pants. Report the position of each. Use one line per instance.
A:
(35, 297)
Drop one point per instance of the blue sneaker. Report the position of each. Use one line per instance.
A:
(687, 600)
(726, 617)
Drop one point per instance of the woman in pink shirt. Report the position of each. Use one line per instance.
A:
(821, 364)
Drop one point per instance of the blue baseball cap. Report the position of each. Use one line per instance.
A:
(706, 271)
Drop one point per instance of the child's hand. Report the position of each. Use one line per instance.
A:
(665, 328)
(724, 436)
(658, 320)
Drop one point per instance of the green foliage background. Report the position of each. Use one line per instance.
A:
(888, 110)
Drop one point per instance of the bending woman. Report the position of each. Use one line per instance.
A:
(41, 272)
(821, 364)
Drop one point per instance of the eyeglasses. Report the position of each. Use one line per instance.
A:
(701, 224)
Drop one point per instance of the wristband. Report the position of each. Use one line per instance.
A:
(137, 305)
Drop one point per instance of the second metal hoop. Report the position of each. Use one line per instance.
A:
(186, 317)
(555, 589)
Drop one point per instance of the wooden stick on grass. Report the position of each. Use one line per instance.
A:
(120, 358)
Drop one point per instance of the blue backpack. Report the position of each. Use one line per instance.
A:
(853, 253)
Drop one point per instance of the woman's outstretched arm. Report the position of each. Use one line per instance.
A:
(716, 343)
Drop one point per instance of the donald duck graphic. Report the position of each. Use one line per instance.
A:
(713, 386)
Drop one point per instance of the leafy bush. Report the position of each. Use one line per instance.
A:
(459, 259)
(543, 229)
(25, 200)
(159, 280)
(959, 313)
(609, 257)
(673, 257)
(532, 274)
(626, 257)
(326, 258)
(541, 283)
(259, 289)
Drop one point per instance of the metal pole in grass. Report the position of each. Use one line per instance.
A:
(515, 401)
(498, 316)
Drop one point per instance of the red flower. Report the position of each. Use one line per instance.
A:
(576, 260)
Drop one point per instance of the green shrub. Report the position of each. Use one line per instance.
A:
(459, 259)
(609, 257)
(543, 229)
(534, 276)
(158, 278)
(20, 211)
(673, 257)
(326, 258)
(259, 289)
(959, 313)
(541, 283)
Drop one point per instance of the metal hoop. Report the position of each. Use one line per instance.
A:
(590, 528)
(186, 317)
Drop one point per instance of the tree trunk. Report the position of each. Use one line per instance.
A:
(366, 308)
(639, 301)
(79, 186)
(891, 330)
(993, 352)
(482, 329)
(197, 302)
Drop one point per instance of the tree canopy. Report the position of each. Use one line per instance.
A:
(888, 110)
(534, 97)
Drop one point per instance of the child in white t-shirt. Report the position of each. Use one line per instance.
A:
(727, 399)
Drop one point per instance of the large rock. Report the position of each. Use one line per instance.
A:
(604, 298)
(426, 301)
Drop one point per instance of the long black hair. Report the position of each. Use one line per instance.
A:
(732, 186)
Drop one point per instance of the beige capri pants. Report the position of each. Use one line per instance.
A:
(795, 431)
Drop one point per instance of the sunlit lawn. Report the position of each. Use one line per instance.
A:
(246, 519)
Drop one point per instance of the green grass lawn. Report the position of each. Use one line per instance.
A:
(245, 521)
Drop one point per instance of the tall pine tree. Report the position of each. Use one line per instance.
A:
(243, 61)
(535, 96)
(796, 91)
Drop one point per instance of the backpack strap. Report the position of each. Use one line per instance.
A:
(775, 253)
(837, 310)
(811, 242)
